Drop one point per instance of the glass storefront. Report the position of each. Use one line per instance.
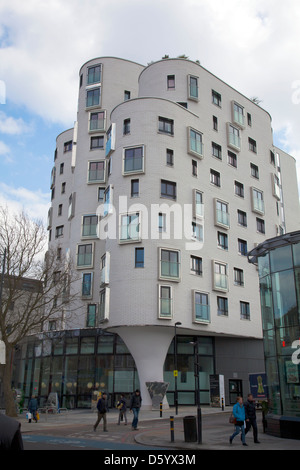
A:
(279, 277)
(75, 364)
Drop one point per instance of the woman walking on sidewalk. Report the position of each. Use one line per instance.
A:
(239, 415)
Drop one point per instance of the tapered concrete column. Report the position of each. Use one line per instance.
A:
(149, 346)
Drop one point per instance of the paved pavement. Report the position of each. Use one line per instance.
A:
(76, 428)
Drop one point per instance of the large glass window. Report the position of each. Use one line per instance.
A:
(169, 264)
(133, 160)
(130, 227)
(94, 74)
(93, 97)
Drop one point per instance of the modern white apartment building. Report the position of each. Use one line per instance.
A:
(168, 178)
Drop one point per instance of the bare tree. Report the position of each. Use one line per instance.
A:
(36, 288)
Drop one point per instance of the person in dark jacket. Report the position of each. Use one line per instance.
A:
(122, 409)
(32, 407)
(10, 434)
(135, 406)
(250, 412)
(102, 410)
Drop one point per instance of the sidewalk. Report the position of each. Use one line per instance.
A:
(155, 431)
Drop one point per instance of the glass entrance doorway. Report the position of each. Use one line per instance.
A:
(235, 390)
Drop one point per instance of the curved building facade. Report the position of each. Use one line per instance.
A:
(169, 177)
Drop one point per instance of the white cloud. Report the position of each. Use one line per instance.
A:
(250, 44)
(35, 204)
(13, 126)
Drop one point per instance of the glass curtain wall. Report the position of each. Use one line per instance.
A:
(279, 271)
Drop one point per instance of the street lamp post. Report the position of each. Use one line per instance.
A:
(175, 367)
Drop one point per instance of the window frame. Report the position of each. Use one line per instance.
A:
(168, 277)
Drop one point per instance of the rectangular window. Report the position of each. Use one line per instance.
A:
(258, 201)
(234, 139)
(68, 146)
(245, 310)
(215, 178)
(252, 145)
(165, 302)
(85, 255)
(104, 304)
(59, 231)
(197, 232)
(139, 257)
(93, 97)
(162, 222)
(130, 227)
(86, 290)
(170, 157)
(260, 225)
(105, 269)
(168, 189)
(196, 265)
(222, 303)
(127, 95)
(96, 172)
(135, 188)
(97, 121)
(166, 125)
(97, 142)
(222, 213)
(220, 276)
(238, 277)
(195, 145)
(171, 82)
(94, 74)
(215, 123)
(216, 98)
(242, 247)
(198, 209)
(101, 191)
(242, 218)
(238, 114)
(238, 189)
(133, 160)
(194, 168)
(193, 87)
(201, 307)
(223, 241)
(126, 126)
(91, 315)
(254, 171)
(169, 264)
(216, 150)
(232, 159)
(89, 225)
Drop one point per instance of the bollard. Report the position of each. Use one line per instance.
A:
(222, 404)
(160, 409)
(172, 428)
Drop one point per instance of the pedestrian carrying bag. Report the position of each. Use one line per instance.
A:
(28, 415)
(232, 419)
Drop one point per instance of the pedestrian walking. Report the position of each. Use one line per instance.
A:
(250, 411)
(122, 407)
(32, 408)
(135, 406)
(102, 410)
(239, 415)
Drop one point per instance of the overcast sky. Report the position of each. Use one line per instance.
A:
(253, 45)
